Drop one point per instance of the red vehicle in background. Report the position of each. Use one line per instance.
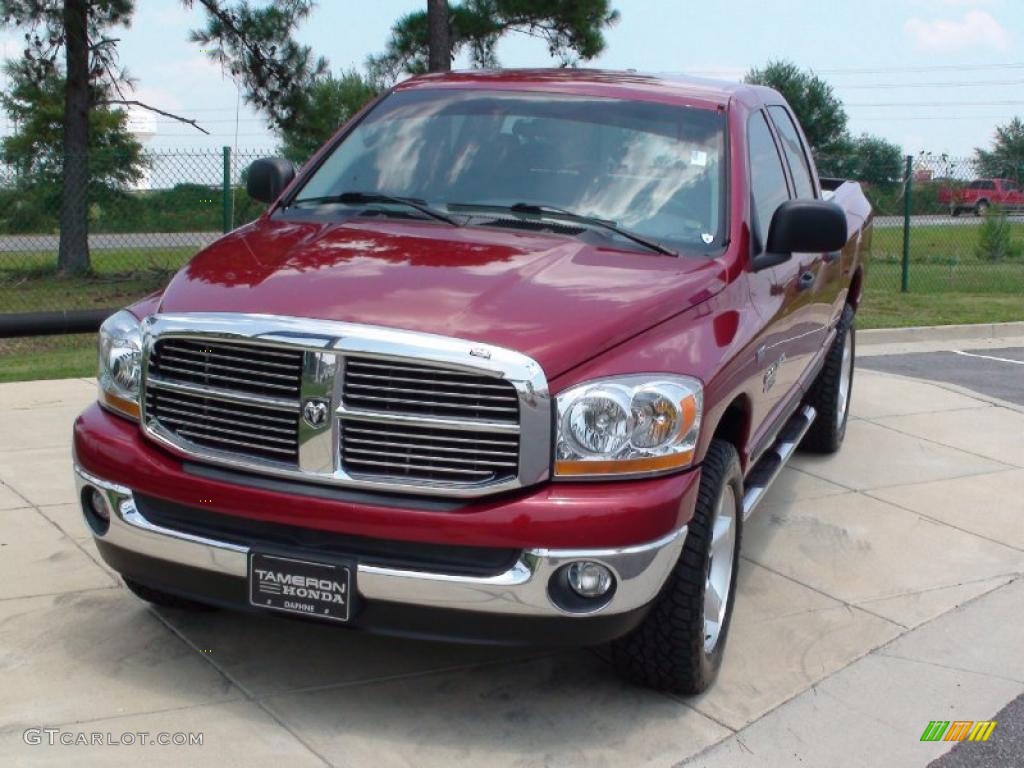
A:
(511, 359)
(982, 194)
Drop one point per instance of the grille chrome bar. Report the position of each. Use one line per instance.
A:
(356, 441)
(469, 425)
(412, 412)
(220, 393)
(385, 433)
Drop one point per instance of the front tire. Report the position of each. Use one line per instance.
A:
(680, 644)
(831, 391)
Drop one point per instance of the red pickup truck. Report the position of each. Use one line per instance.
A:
(981, 194)
(511, 359)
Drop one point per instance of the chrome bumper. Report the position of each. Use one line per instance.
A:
(639, 570)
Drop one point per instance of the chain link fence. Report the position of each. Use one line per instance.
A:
(144, 223)
(940, 226)
(943, 226)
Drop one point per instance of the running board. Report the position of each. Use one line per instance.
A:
(761, 477)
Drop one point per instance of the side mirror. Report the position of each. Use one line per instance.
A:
(268, 177)
(803, 226)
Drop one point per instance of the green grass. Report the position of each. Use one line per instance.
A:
(48, 357)
(889, 309)
(29, 281)
(943, 259)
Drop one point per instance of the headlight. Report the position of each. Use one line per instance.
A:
(627, 425)
(120, 363)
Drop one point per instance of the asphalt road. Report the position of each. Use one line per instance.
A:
(1004, 749)
(997, 373)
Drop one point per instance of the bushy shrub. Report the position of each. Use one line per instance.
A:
(995, 238)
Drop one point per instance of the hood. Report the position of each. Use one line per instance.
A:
(556, 298)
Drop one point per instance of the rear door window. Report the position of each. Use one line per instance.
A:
(796, 155)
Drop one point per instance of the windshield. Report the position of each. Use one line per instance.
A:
(655, 169)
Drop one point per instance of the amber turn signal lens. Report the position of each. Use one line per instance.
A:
(121, 405)
(623, 466)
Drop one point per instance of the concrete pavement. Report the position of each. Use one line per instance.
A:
(880, 589)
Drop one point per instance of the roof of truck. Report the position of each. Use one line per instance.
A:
(600, 82)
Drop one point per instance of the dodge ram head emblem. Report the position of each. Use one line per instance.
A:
(315, 413)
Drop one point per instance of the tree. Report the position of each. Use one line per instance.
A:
(304, 104)
(876, 160)
(328, 103)
(1006, 158)
(439, 58)
(36, 152)
(255, 45)
(572, 29)
(79, 30)
(814, 103)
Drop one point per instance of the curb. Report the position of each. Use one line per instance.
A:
(940, 333)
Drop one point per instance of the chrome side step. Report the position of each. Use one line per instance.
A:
(761, 477)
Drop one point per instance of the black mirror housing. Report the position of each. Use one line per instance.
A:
(807, 226)
(268, 177)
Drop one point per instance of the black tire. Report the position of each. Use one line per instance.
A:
(954, 212)
(667, 651)
(829, 428)
(164, 599)
(981, 208)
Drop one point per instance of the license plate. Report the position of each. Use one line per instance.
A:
(299, 586)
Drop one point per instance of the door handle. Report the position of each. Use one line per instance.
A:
(805, 281)
(833, 256)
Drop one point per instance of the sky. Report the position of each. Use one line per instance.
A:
(929, 75)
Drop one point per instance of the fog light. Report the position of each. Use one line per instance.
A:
(95, 510)
(589, 579)
(99, 506)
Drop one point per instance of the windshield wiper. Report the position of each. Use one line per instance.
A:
(358, 198)
(553, 211)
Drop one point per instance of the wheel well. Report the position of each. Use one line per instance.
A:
(734, 425)
(853, 295)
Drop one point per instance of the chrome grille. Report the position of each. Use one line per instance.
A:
(406, 412)
(239, 398)
(463, 441)
(250, 429)
(428, 453)
(240, 367)
(423, 390)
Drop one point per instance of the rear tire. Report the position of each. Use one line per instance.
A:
(675, 648)
(164, 599)
(981, 208)
(830, 394)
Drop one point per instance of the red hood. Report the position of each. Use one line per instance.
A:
(555, 298)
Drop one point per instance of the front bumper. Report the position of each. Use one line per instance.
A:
(636, 528)
(216, 571)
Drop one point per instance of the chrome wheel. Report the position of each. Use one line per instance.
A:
(720, 561)
(845, 378)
